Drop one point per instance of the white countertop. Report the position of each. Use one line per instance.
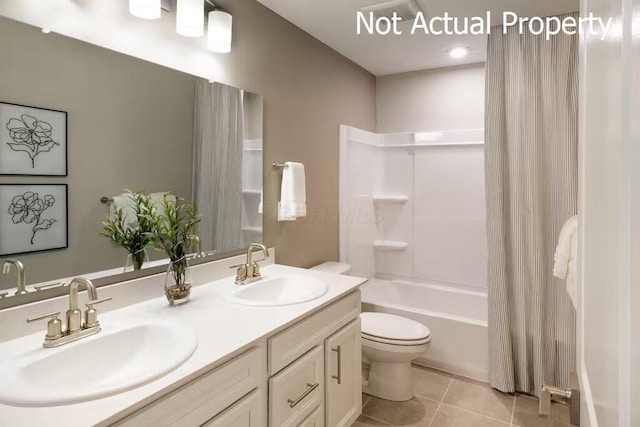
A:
(224, 330)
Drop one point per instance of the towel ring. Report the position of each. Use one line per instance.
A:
(277, 166)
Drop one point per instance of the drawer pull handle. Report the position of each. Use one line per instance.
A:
(339, 376)
(293, 403)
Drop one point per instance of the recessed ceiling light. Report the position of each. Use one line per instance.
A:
(458, 52)
(46, 30)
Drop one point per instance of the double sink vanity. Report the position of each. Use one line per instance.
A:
(280, 351)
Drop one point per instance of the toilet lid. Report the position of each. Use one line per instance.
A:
(392, 327)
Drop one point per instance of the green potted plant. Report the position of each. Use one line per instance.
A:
(173, 234)
(133, 234)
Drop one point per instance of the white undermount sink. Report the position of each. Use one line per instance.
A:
(279, 290)
(107, 363)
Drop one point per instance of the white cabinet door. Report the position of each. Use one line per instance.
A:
(343, 376)
(250, 411)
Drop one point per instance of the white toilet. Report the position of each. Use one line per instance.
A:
(389, 344)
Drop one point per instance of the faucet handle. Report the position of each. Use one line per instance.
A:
(93, 302)
(54, 326)
(90, 314)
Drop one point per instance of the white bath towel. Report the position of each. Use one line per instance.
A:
(293, 194)
(261, 204)
(566, 257)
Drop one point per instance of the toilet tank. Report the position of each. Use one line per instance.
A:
(333, 267)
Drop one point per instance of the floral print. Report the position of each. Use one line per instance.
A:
(31, 136)
(28, 208)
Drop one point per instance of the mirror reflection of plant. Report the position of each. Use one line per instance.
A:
(132, 234)
(174, 233)
(31, 136)
(28, 208)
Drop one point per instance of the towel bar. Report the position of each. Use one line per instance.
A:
(277, 166)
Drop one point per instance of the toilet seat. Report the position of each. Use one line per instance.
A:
(395, 342)
(395, 330)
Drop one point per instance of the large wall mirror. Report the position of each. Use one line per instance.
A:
(79, 124)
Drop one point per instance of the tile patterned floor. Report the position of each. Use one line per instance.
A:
(445, 400)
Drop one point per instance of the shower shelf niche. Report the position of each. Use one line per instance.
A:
(390, 198)
(390, 245)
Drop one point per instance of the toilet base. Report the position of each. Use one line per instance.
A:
(390, 381)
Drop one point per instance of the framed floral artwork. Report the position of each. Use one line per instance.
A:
(33, 218)
(33, 141)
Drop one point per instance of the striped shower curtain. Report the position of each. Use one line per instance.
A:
(217, 165)
(531, 149)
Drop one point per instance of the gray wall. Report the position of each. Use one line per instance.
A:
(130, 125)
(309, 90)
(440, 99)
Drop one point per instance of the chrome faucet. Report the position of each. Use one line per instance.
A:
(75, 329)
(199, 253)
(250, 271)
(6, 269)
(74, 315)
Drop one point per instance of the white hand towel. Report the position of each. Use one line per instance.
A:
(293, 194)
(565, 258)
(125, 203)
(156, 200)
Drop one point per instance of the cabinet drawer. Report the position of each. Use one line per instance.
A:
(295, 341)
(315, 419)
(251, 411)
(201, 399)
(298, 390)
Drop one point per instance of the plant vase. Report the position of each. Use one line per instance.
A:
(177, 285)
(136, 260)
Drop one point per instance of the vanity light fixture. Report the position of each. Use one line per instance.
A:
(145, 9)
(219, 31)
(458, 52)
(190, 18)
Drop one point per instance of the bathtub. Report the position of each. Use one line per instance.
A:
(457, 319)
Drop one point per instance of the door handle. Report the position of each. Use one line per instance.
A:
(338, 377)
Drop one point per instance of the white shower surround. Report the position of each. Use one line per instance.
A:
(411, 221)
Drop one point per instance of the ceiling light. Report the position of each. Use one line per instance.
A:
(219, 31)
(145, 9)
(190, 18)
(46, 30)
(458, 52)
